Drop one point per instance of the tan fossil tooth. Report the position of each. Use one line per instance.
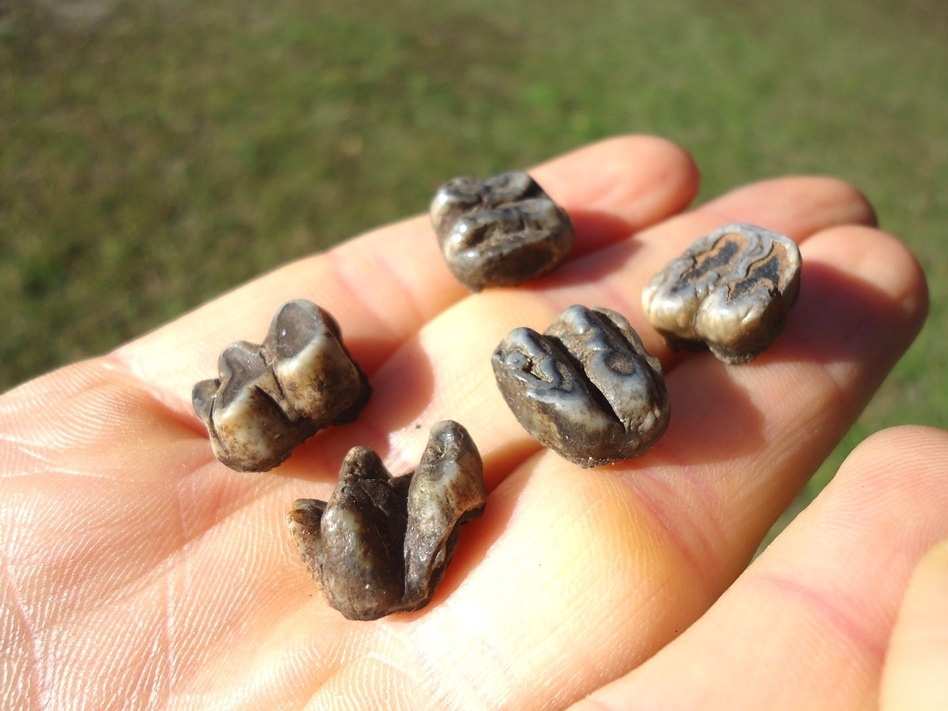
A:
(269, 398)
(730, 291)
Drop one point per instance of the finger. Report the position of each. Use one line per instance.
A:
(384, 285)
(637, 551)
(798, 207)
(806, 625)
(913, 678)
(446, 372)
(759, 432)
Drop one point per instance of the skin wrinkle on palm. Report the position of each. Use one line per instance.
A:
(528, 559)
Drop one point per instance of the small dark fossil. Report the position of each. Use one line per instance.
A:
(501, 231)
(731, 290)
(271, 397)
(585, 388)
(381, 543)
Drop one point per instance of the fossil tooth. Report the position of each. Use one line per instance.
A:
(586, 387)
(269, 398)
(381, 543)
(501, 231)
(731, 291)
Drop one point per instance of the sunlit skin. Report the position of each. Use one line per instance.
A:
(139, 572)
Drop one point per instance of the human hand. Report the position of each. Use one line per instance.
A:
(807, 625)
(140, 572)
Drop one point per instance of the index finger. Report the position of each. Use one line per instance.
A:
(383, 286)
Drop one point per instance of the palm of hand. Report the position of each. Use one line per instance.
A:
(140, 572)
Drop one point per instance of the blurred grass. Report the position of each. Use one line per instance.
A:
(153, 154)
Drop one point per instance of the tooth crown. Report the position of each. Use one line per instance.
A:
(586, 387)
(501, 231)
(730, 291)
(381, 543)
(269, 398)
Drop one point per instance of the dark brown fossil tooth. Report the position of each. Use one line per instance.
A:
(502, 231)
(586, 387)
(381, 544)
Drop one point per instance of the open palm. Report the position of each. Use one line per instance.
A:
(139, 572)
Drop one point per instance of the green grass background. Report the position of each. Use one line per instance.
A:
(154, 153)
